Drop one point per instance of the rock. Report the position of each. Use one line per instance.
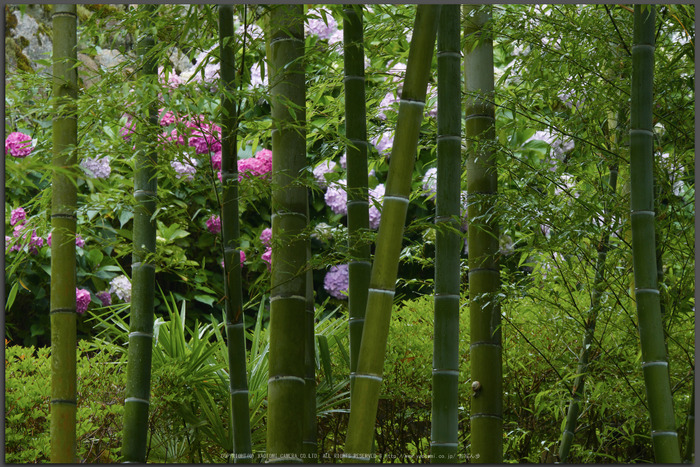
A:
(29, 42)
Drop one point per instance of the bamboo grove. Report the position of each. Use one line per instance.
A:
(452, 48)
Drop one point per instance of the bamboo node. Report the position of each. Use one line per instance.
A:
(62, 310)
(368, 376)
(136, 399)
(663, 433)
(140, 334)
(657, 363)
(64, 401)
(403, 101)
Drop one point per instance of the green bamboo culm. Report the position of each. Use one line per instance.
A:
(286, 383)
(359, 267)
(138, 369)
(651, 333)
(310, 442)
(592, 315)
(368, 377)
(589, 333)
(484, 277)
(230, 234)
(63, 222)
(444, 421)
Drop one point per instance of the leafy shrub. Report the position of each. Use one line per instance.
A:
(27, 403)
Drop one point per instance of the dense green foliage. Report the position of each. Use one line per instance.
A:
(560, 70)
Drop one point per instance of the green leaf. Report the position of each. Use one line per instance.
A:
(208, 299)
(95, 257)
(325, 358)
(124, 217)
(11, 296)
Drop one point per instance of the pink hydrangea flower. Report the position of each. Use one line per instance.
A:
(128, 128)
(214, 224)
(205, 137)
(18, 144)
(265, 158)
(267, 257)
(266, 236)
(82, 300)
(167, 118)
(243, 258)
(216, 160)
(18, 215)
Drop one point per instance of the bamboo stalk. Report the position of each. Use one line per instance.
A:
(310, 423)
(588, 337)
(359, 267)
(230, 234)
(138, 370)
(651, 334)
(63, 222)
(444, 421)
(289, 250)
(368, 377)
(484, 276)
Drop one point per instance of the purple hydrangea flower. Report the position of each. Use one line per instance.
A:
(253, 31)
(214, 224)
(337, 281)
(18, 215)
(376, 196)
(318, 27)
(82, 299)
(388, 104)
(79, 241)
(256, 79)
(430, 182)
(187, 167)
(8, 240)
(266, 236)
(34, 243)
(337, 197)
(18, 144)
(321, 170)
(344, 161)
(384, 142)
(121, 286)
(559, 144)
(105, 297)
(97, 167)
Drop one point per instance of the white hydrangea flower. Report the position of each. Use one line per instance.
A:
(121, 285)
